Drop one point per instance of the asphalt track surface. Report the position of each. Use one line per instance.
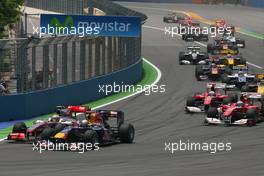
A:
(158, 118)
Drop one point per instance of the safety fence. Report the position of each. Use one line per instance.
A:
(32, 63)
(38, 63)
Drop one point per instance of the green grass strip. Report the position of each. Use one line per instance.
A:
(149, 76)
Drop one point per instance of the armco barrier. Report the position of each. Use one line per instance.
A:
(22, 106)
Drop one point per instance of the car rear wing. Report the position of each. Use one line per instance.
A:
(252, 95)
(260, 76)
(238, 68)
(193, 47)
(216, 85)
(106, 114)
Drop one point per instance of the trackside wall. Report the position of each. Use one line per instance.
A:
(27, 105)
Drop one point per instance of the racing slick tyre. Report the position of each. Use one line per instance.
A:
(228, 71)
(251, 114)
(126, 133)
(198, 72)
(242, 42)
(227, 100)
(233, 97)
(58, 127)
(245, 88)
(47, 133)
(181, 57)
(184, 37)
(243, 61)
(225, 78)
(190, 101)
(212, 112)
(19, 127)
(210, 48)
(90, 136)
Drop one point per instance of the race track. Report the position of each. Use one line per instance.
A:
(160, 118)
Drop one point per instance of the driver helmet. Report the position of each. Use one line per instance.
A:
(213, 65)
(240, 104)
(84, 123)
(95, 118)
(211, 93)
(240, 73)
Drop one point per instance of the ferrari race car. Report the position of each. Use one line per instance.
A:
(96, 129)
(241, 113)
(238, 79)
(213, 97)
(172, 18)
(212, 72)
(222, 23)
(66, 116)
(193, 55)
(257, 87)
(222, 46)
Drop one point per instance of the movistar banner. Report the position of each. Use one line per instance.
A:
(54, 24)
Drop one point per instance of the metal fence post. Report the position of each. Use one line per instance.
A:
(73, 60)
(82, 60)
(64, 64)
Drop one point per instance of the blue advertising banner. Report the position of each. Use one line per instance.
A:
(82, 25)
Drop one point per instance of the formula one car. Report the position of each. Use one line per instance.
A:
(191, 32)
(187, 21)
(172, 18)
(240, 43)
(96, 129)
(238, 79)
(257, 87)
(66, 116)
(222, 46)
(233, 60)
(193, 55)
(214, 96)
(212, 72)
(221, 23)
(241, 113)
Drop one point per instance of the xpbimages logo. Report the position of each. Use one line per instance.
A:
(88, 25)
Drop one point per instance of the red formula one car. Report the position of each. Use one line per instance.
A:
(41, 129)
(245, 112)
(222, 23)
(213, 97)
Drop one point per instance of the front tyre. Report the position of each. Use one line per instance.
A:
(126, 133)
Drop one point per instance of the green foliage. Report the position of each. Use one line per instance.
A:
(9, 14)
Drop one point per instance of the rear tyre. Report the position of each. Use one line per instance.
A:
(251, 114)
(47, 133)
(212, 112)
(126, 133)
(198, 72)
(233, 97)
(58, 127)
(19, 127)
(90, 136)
(190, 101)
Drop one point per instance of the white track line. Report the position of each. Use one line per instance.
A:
(139, 92)
(199, 43)
(128, 96)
